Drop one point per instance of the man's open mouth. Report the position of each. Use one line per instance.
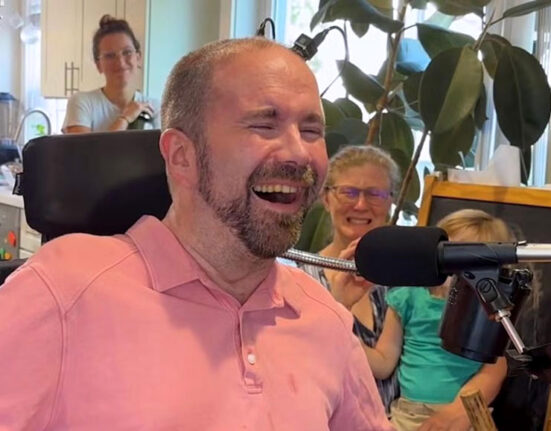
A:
(277, 193)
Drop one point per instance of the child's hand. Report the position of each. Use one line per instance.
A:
(347, 287)
(449, 418)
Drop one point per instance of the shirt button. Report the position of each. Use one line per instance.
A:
(251, 358)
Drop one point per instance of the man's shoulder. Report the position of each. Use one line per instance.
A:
(317, 296)
(68, 264)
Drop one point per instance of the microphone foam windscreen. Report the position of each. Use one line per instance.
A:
(401, 256)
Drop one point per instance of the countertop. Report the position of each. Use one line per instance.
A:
(7, 198)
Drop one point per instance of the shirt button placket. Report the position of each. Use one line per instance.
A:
(251, 377)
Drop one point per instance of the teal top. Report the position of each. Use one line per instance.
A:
(427, 373)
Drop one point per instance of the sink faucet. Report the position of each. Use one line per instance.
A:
(25, 115)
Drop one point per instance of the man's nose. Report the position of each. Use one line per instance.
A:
(295, 147)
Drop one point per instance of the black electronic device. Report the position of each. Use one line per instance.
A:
(484, 301)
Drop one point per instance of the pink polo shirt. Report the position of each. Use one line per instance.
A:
(129, 333)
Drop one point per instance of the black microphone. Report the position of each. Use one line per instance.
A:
(422, 256)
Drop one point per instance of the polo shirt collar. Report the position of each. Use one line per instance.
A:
(170, 265)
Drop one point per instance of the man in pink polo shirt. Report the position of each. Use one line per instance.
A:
(188, 323)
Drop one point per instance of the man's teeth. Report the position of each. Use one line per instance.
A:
(276, 188)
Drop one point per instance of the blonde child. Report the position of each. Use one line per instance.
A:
(430, 377)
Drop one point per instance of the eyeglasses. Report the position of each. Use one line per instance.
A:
(112, 56)
(349, 195)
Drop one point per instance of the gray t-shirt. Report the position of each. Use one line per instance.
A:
(94, 110)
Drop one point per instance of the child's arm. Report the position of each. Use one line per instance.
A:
(453, 416)
(384, 357)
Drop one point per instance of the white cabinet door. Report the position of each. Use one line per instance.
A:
(61, 36)
(135, 12)
(92, 11)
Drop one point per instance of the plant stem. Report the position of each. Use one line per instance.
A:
(487, 26)
(407, 179)
(383, 100)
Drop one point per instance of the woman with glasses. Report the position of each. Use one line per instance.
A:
(118, 105)
(358, 192)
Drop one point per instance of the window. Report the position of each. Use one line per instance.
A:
(30, 67)
(369, 52)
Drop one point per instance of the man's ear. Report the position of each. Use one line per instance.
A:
(179, 153)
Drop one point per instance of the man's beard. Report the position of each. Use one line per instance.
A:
(265, 234)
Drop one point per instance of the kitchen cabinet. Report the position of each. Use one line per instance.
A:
(68, 27)
(166, 29)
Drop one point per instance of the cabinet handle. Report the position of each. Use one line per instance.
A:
(65, 80)
(72, 71)
(73, 88)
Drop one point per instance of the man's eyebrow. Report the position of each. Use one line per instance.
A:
(271, 113)
(260, 114)
(314, 118)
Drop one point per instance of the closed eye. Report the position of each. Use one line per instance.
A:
(262, 126)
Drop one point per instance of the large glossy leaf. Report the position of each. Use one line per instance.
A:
(354, 130)
(414, 188)
(436, 39)
(395, 133)
(322, 11)
(411, 56)
(445, 147)
(479, 113)
(419, 4)
(334, 141)
(361, 11)
(316, 230)
(349, 108)
(361, 86)
(383, 6)
(526, 8)
(411, 90)
(450, 88)
(333, 115)
(461, 7)
(522, 97)
(359, 28)
(491, 48)
(397, 77)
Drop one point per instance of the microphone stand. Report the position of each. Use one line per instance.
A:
(486, 285)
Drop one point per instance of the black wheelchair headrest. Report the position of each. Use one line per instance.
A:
(98, 183)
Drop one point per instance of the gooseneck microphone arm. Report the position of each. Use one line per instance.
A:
(523, 253)
(320, 261)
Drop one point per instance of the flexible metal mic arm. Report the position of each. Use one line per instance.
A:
(525, 253)
(321, 261)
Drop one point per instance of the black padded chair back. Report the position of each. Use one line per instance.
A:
(98, 183)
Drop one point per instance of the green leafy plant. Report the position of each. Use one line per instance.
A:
(433, 84)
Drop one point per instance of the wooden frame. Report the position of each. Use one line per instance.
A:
(479, 192)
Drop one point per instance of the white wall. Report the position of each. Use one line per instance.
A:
(177, 27)
(10, 50)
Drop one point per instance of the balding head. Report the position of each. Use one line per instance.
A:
(189, 85)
